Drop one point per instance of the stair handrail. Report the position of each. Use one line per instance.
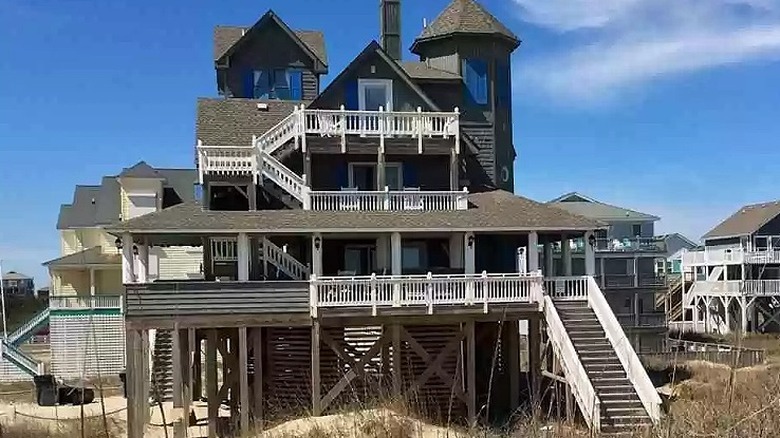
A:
(297, 192)
(32, 323)
(294, 117)
(635, 370)
(577, 376)
(287, 263)
(22, 360)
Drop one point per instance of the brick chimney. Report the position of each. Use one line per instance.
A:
(390, 27)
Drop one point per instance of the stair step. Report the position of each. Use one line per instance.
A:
(634, 421)
(614, 411)
(609, 403)
(615, 390)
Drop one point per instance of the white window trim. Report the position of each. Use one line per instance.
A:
(351, 172)
(363, 83)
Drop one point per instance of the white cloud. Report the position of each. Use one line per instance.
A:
(625, 44)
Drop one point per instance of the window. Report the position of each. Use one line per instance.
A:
(413, 256)
(362, 176)
(375, 93)
(283, 84)
(636, 230)
(475, 79)
(359, 259)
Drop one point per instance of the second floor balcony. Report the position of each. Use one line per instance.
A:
(397, 134)
(625, 245)
(386, 200)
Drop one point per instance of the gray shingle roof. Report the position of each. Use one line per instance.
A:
(100, 205)
(746, 220)
(465, 16)
(226, 36)
(576, 203)
(13, 275)
(421, 70)
(232, 122)
(91, 256)
(496, 210)
(140, 170)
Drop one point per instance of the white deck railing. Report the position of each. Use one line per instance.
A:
(22, 360)
(78, 302)
(575, 372)
(737, 288)
(28, 326)
(635, 371)
(285, 262)
(763, 256)
(389, 200)
(567, 288)
(377, 291)
(224, 249)
(226, 160)
(380, 123)
(713, 256)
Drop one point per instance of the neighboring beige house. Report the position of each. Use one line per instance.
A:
(85, 319)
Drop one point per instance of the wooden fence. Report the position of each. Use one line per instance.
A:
(737, 358)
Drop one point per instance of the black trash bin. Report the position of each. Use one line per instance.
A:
(45, 390)
(123, 378)
(82, 396)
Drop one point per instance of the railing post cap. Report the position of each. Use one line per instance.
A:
(457, 110)
(419, 109)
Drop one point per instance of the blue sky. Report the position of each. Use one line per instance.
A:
(665, 106)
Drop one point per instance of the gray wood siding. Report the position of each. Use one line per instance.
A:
(771, 228)
(173, 299)
(447, 95)
(496, 150)
(483, 137)
(255, 55)
(404, 98)
(622, 230)
(429, 172)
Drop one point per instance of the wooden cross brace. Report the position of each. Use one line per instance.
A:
(435, 365)
(356, 368)
(771, 315)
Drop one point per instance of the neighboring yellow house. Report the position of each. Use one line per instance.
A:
(85, 318)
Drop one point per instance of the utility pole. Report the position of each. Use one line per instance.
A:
(2, 300)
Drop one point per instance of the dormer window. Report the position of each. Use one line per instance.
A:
(278, 83)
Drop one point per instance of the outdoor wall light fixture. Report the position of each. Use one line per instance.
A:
(118, 243)
(471, 241)
(592, 240)
(135, 249)
(317, 242)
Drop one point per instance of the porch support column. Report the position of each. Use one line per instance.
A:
(743, 308)
(381, 179)
(142, 276)
(382, 251)
(548, 259)
(566, 254)
(636, 271)
(243, 256)
(590, 255)
(316, 254)
(456, 250)
(395, 251)
(533, 251)
(396, 264)
(469, 253)
(92, 282)
(128, 270)
(454, 170)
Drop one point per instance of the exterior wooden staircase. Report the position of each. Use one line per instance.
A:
(607, 379)
(162, 367)
(621, 409)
